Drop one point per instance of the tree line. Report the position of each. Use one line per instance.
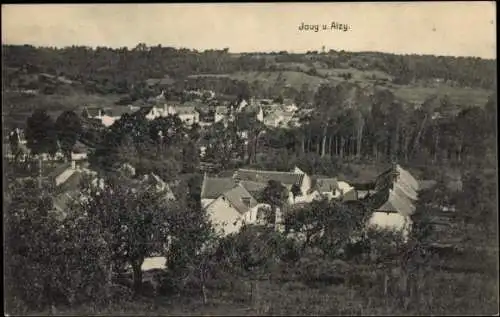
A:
(117, 70)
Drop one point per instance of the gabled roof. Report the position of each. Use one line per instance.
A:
(62, 201)
(92, 111)
(185, 109)
(213, 187)
(405, 177)
(397, 204)
(152, 181)
(236, 195)
(221, 110)
(58, 170)
(286, 178)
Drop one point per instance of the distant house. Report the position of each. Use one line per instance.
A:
(80, 151)
(188, 114)
(151, 112)
(221, 113)
(332, 188)
(260, 115)
(108, 116)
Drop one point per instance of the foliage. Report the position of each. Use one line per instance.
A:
(40, 133)
(51, 260)
(69, 129)
(134, 220)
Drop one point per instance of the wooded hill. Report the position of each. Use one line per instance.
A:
(102, 70)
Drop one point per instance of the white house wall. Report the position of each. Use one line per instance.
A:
(394, 221)
(226, 219)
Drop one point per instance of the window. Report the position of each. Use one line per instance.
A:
(246, 201)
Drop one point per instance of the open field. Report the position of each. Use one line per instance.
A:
(414, 94)
(18, 107)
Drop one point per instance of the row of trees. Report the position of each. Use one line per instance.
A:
(351, 122)
(43, 135)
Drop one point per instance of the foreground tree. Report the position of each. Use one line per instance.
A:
(49, 260)
(40, 133)
(135, 221)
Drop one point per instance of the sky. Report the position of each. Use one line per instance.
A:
(437, 28)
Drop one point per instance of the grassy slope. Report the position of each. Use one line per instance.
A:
(289, 74)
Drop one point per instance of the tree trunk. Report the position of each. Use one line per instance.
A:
(342, 143)
(302, 143)
(323, 141)
(420, 131)
(137, 275)
(330, 144)
(359, 140)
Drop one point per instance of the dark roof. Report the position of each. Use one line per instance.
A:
(118, 111)
(92, 111)
(62, 201)
(213, 187)
(286, 178)
(72, 183)
(79, 147)
(350, 196)
(236, 195)
(144, 110)
(397, 203)
(253, 187)
(185, 109)
(326, 184)
(57, 170)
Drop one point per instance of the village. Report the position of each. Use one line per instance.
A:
(230, 201)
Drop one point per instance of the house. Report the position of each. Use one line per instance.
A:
(60, 173)
(242, 105)
(221, 113)
(394, 213)
(151, 112)
(296, 177)
(260, 115)
(80, 151)
(231, 209)
(393, 201)
(188, 114)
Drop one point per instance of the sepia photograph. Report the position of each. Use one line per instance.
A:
(250, 159)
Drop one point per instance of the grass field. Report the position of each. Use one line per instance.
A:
(442, 294)
(17, 107)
